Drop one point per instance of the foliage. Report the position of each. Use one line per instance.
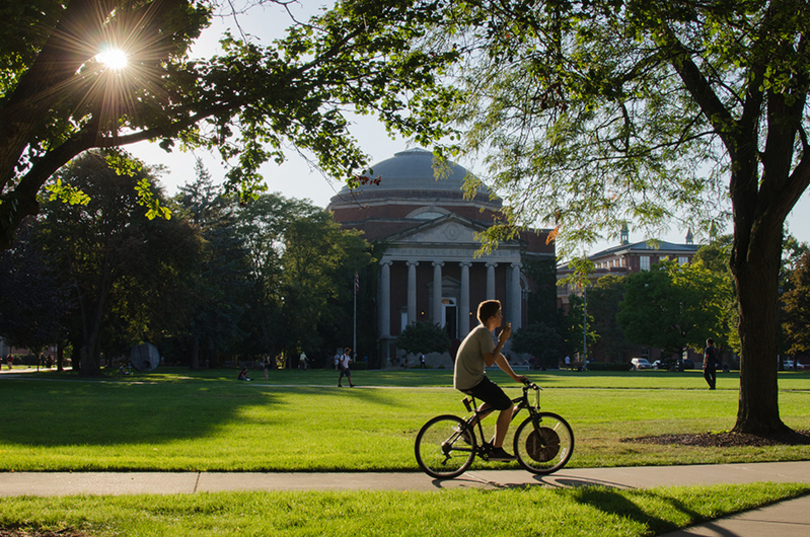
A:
(715, 258)
(540, 341)
(671, 306)
(35, 298)
(57, 99)
(302, 269)
(122, 265)
(580, 324)
(423, 337)
(796, 303)
(603, 304)
(594, 114)
(218, 287)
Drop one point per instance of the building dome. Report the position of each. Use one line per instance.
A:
(410, 176)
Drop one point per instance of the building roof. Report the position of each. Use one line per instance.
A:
(410, 175)
(658, 247)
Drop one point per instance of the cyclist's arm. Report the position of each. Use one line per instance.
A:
(491, 358)
(503, 363)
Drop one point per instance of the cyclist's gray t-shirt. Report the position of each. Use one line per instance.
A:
(470, 365)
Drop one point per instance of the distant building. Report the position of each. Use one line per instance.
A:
(621, 260)
(627, 258)
(428, 270)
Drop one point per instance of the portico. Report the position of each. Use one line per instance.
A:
(445, 279)
(430, 268)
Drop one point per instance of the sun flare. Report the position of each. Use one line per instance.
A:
(113, 58)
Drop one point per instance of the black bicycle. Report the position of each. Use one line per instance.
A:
(446, 445)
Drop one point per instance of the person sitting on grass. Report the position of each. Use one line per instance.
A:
(476, 352)
(243, 374)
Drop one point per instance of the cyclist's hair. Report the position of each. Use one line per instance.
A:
(487, 309)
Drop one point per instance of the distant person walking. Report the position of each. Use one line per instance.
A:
(710, 364)
(422, 364)
(343, 363)
(265, 365)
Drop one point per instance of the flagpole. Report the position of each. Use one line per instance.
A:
(354, 324)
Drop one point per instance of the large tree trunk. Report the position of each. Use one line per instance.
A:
(757, 278)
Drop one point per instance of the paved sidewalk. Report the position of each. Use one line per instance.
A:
(785, 519)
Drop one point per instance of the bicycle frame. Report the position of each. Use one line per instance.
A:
(446, 445)
(479, 415)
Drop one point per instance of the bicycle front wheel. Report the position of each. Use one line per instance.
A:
(445, 447)
(544, 446)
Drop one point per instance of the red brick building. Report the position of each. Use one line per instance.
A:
(430, 269)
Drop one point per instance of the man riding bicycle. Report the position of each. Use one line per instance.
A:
(475, 354)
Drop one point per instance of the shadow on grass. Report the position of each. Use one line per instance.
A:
(43, 413)
(620, 504)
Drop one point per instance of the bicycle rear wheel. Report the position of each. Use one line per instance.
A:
(445, 448)
(546, 448)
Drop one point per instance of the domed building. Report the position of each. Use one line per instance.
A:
(426, 230)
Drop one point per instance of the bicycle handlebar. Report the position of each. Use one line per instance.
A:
(530, 385)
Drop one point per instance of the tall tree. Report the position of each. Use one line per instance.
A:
(603, 111)
(671, 307)
(714, 257)
(796, 303)
(302, 265)
(58, 98)
(35, 297)
(118, 261)
(603, 304)
(218, 288)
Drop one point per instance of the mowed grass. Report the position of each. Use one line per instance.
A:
(524, 512)
(176, 420)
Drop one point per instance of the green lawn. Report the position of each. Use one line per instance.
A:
(525, 512)
(178, 420)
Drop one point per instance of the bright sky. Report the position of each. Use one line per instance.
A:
(296, 178)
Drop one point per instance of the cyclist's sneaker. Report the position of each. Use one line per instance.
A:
(500, 455)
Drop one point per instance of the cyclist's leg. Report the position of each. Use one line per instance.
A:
(494, 398)
(502, 426)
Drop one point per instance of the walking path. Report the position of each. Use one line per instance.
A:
(785, 519)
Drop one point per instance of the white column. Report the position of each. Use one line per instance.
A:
(437, 292)
(412, 290)
(515, 298)
(385, 298)
(464, 301)
(491, 280)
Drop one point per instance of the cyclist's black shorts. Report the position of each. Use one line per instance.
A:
(490, 393)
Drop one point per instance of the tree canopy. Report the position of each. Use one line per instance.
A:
(671, 307)
(122, 266)
(594, 114)
(797, 308)
(58, 99)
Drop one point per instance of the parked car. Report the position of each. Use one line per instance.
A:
(791, 365)
(689, 364)
(640, 363)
